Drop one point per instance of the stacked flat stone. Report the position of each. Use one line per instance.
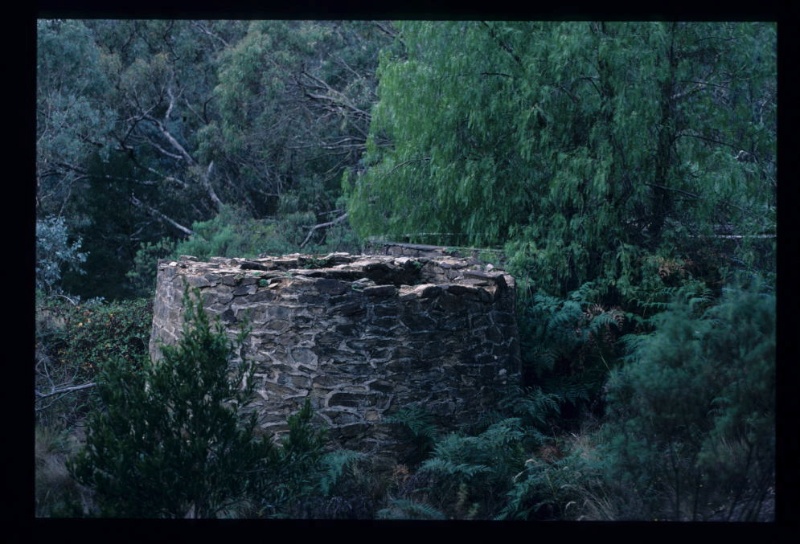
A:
(359, 336)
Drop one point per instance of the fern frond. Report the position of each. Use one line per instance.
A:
(417, 420)
(532, 404)
(568, 390)
(504, 433)
(568, 316)
(601, 320)
(336, 463)
(450, 469)
(631, 344)
(588, 292)
(408, 509)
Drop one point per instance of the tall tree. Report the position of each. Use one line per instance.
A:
(581, 147)
(175, 119)
(163, 73)
(115, 154)
(294, 100)
(73, 117)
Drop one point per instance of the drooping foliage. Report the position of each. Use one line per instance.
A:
(582, 148)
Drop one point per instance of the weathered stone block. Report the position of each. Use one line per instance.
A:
(380, 291)
(359, 336)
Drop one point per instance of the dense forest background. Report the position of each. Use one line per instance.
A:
(625, 171)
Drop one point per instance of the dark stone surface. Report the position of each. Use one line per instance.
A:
(359, 336)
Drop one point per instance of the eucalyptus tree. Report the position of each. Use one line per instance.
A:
(162, 74)
(149, 126)
(585, 148)
(73, 116)
(294, 100)
(119, 102)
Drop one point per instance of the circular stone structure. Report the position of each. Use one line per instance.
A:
(359, 336)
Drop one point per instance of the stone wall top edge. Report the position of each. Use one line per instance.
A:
(320, 265)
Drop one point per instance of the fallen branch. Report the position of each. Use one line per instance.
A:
(170, 138)
(209, 189)
(322, 226)
(735, 236)
(64, 390)
(664, 188)
(74, 302)
(139, 204)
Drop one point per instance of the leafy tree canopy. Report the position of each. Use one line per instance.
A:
(146, 127)
(580, 147)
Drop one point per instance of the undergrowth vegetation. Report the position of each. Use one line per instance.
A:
(691, 424)
(73, 340)
(668, 418)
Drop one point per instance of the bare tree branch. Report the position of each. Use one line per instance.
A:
(171, 103)
(207, 183)
(139, 204)
(170, 138)
(72, 301)
(678, 96)
(164, 151)
(704, 138)
(568, 93)
(63, 390)
(322, 226)
(382, 28)
(734, 236)
(202, 117)
(72, 167)
(665, 188)
(347, 67)
(332, 95)
(202, 28)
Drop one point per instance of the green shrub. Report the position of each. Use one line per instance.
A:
(142, 276)
(235, 233)
(691, 414)
(73, 340)
(232, 233)
(170, 439)
(54, 253)
(466, 477)
(295, 467)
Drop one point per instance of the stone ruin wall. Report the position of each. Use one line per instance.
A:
(359, 336)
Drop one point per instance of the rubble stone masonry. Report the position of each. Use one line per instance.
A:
(360, 336)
